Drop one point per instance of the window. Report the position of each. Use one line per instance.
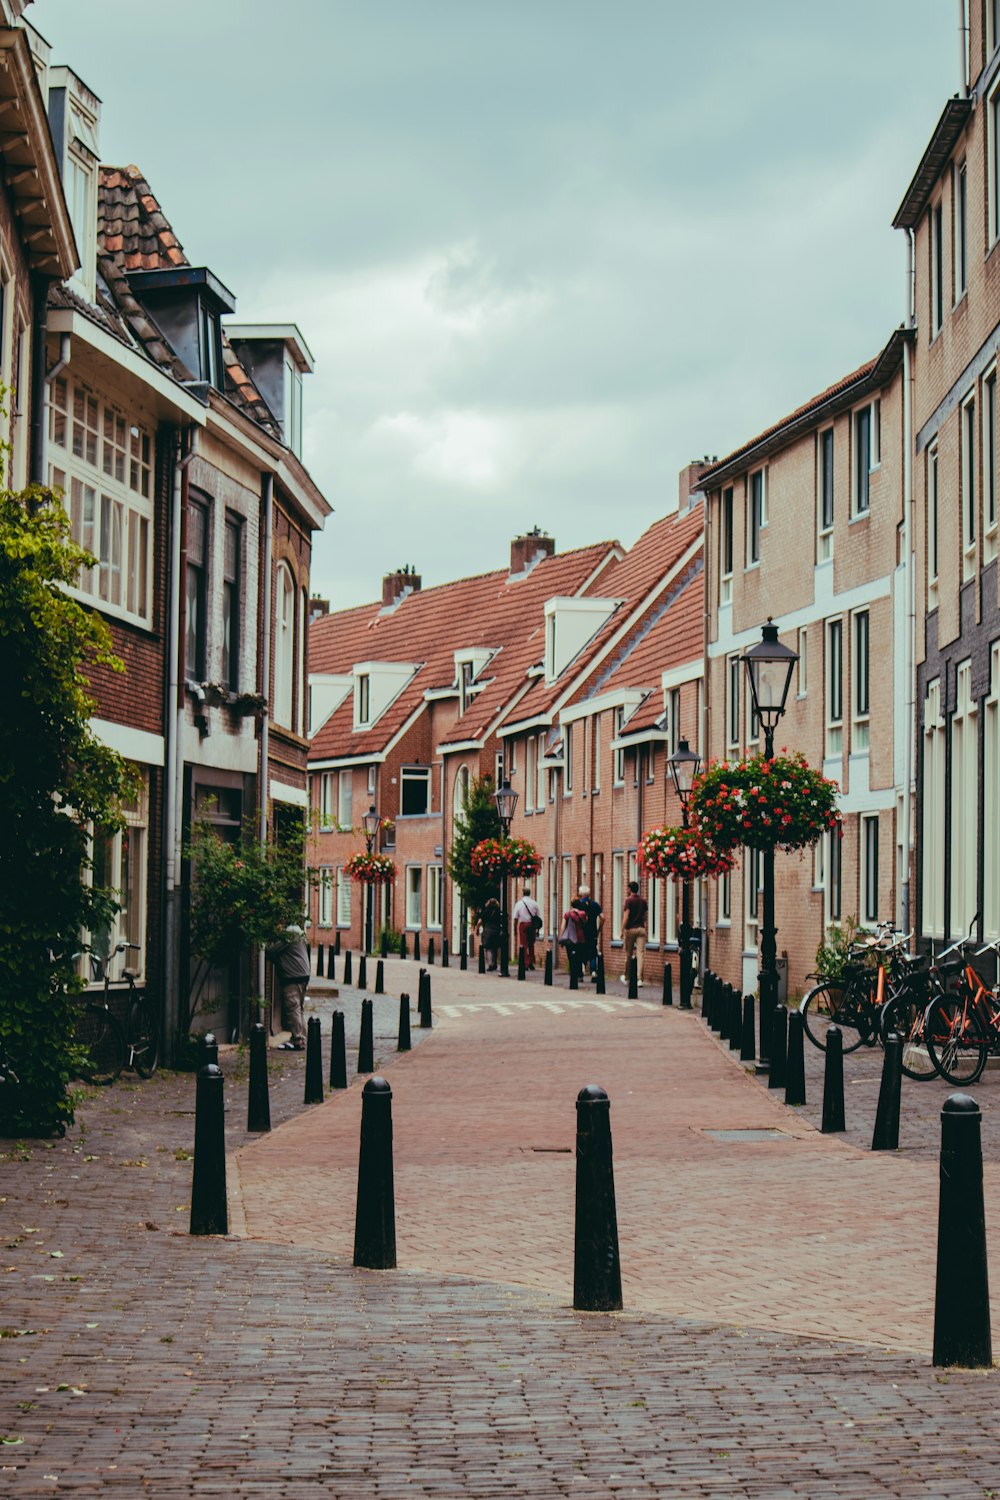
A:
(415, 792)
(617, 895)
(292, 425)
(466, 676)
(619, 755)
(119, 864)
(725, 890)
(932, 526)
(103, 464)
(970, 507)
(231, 575)
(825, 477)
(195, 603)
(530, 775)
(932, 840)
(993, 193)
(567, 880)
(991, 802)
(802, 665)
(326, 819)
(860, 727)
(961, 212)
(964, 802)
(654, 900)
(752, 882)
(834, 687)
(937, 271)
(596, 738)
(371, 779)
(867, 435)
(675, 718)
(756, 515)
(992, 26)
(832, 890)
(869, 869)
(726, 548)
(343, 898)
(734, 678)
(345, 798)
(364, 698)
(79, 184)
(670, 911)
(209, 344)
(434, 888)
(284, 648)
(460, 796)
(414, 895)
(989, 441)
(326, 895)
(541, 774)
(568, 756)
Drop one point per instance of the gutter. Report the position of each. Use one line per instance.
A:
(909, 561)
(267, 505)
(39, 378)
(173, 719)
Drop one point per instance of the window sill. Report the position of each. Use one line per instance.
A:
(415, 817)
(749, 567)
(860, 515)
(962, 302)
(724, 922)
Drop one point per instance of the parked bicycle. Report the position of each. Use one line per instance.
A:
(852, 1001)
(108, 1045)
(963, 1026)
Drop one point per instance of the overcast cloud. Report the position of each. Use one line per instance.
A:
(544, 251)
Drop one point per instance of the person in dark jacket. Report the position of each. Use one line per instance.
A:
(489, 928)
(290, 958)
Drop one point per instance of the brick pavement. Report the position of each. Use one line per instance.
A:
(137, 1360)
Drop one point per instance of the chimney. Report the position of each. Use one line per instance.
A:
(318, 607)
(396, 586)
(689, 481)
(527, 550)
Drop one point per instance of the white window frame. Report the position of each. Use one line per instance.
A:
(833, 702)
(541, 774)
(860, 682)
(726, 545)
(968, 487)
(960, 217)
(327, 820)
(936, 268)
(324, 905)
(654, 901)
(734, 688)
(343, 897)
(833, 879)
(868, 894)
(724, 904)
(964, 801)
(617, 894)
(825, 523)
(993, 165)
(363, 700)
(414, 897)
(129, 923)
(372, 772)
(345, 799)
(435, 896)
(933, 483)
(991, 800)
(933, 810)
(568, 759)
(595, 735)
(988, 450)
(753, 877)
(756, 514)
(618, 755)
(802, 665)
(992, 26)
(414, 774)
(284, 646)
(861, 471)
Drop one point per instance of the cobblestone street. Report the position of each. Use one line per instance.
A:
(137, 1360)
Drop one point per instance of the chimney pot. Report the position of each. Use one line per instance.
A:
(396, 585)
(527, 550)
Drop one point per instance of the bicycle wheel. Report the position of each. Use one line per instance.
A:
(834, 1004)
(955, 1041)
(100, 1035)
(905, 1017)
(143, 1038)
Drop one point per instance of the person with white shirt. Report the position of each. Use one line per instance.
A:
(528, 918)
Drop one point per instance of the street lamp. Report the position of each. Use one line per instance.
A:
(685, 764)
(769, 666)
(506, 800)
(370, 821)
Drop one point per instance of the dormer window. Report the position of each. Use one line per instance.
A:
(364, 699)
(209, 345)
(292, 423)
(74, 115)
(570, 622)
(276, 357)
(187, 302)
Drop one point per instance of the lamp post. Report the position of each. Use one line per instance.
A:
(371, 821)
(506, 800)
(769, 667)
(685, 764)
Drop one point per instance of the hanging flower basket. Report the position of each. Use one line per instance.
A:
(494, 858)
(780, 803)
(681, 854)
(370, 869)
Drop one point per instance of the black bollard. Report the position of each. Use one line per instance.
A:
(347, 966)
(668, 985)
(430, 953)
(319, 960)
(384, 944)
(482, 960)
(375, 1223)
(633, 979)
(362, 972)
(380, 978)
(209, 1209)
(445, 954)
(425, 1001)
(597, 1277)
(520, 965)
(416, 946)
(962, 1294)
(717, 997)
(747, 1036)
(258, 1100)
(505, 957)
(209, 1051)
(708, 1007)
(735, 1020)
(886, 1134)
(366, 1047)
(833, 1083)
(574, 971)
(338, 1052)
(330, 967)
(336, 945)
(403, 1045)
(685, 1000)
(600, 988)
(402, 945)
(548, 967)
(725, 1018)
(779, 1044)
(795, 1063)
(314, 1062)
(463, 957)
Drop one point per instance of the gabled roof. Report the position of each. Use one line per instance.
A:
(954, 118)
(428, 627)
(31, 169)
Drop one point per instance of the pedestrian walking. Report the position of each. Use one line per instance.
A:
(528, 917)
(489, 932)
(634, 930)
(573, 935)
(290, 959)
(595, 924)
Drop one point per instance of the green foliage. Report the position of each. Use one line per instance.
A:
(56, 780)
(243, 894)
(392, 937)
(481, 821)
(832, 955)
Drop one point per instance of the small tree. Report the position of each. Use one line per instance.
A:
(479, 821)
(58, 783)
(243, 895)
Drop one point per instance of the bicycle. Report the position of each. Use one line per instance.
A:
(920, 982)
(109, 1046)
(964, 1027)
(852, 1001)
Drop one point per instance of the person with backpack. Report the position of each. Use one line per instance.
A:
(528, 918)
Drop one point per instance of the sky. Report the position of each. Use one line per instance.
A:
(545, 252)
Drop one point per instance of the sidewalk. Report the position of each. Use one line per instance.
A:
(139, 1361)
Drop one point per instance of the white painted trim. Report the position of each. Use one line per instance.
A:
(65, 320)
(346, 762)
(617, 698)
(819, 609)
(280, 791)
(134, 744)
(689, 671)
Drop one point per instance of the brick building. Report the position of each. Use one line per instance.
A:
(176, 441)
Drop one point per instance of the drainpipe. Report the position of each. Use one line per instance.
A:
(909, 646)
(963, 51)
(267, 506)
(39, 379)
